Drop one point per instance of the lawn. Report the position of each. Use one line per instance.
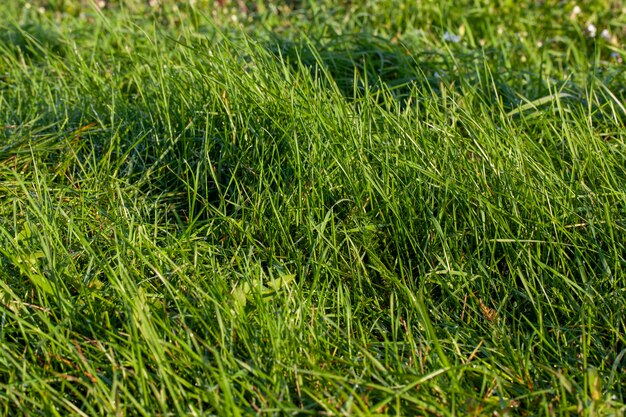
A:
(315, 207)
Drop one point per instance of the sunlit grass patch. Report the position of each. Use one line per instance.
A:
(314, 207)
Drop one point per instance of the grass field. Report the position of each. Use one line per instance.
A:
(388, 207)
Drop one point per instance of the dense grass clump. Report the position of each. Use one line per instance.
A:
(313, 207)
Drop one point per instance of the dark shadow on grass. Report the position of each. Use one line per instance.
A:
(32, 41)
(361, 63)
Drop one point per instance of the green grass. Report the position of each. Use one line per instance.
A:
(312, 208)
